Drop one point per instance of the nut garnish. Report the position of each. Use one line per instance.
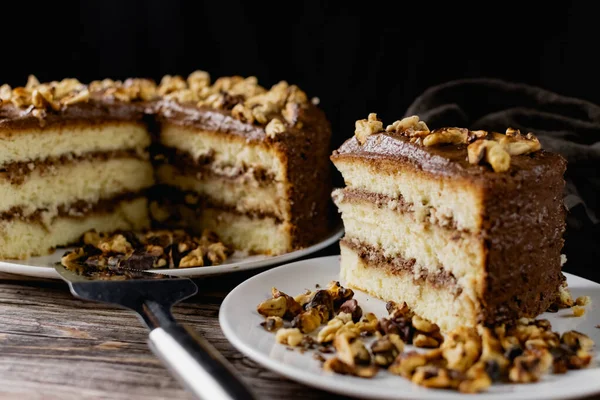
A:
(468, 360)
(446, 136)
(410, 126)
(367, 127)
(578, 311)
(274, 128)
(107, 255)
(582, 300)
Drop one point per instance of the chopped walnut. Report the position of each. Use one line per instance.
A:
(446, 136)
(194, 258)
(274, 128)
(338, 293)
(351, 307)
(308, 321)
(272, 323)
(493, 152)
(422, 340)
(292, 307)
(386, 349)
(433, 377)
(583, 300)
(367, 127)
(406, 363)
(351, 350)
(530, 366)
(409, 126)
(170, 84)
(462, 348)
(339, 367)
(273, 307)
(368, 324)
(242, 113)
(578, 311)
(198, 80)
(290, 336)
(5, 93)
(115, 244)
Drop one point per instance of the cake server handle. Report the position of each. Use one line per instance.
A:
(196, 363)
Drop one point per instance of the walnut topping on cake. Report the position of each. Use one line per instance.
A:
(38, 97)
(367, 127)
(248, 101)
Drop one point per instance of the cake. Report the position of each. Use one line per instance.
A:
(231, 157)
(464, 226)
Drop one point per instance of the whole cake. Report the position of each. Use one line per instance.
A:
(229, 156)
(464, 226)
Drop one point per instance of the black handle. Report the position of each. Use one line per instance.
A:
(197, 364)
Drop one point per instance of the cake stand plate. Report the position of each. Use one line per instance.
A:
(240, 323)
(42, 267)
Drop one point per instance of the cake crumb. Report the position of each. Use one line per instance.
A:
(578, 311)
(582, 300)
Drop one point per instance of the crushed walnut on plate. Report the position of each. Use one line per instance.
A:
(466, 359)
(103, 254)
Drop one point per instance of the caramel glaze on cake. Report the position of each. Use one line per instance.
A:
(501, 231)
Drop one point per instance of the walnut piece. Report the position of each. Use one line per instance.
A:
(272, 323)
(409, 126)
(446, 136)
(194, 258)
(290, 336)
(578, 311)
(274, 128)
(367, 127)
(583, 300)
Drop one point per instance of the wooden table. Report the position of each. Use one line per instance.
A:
(53, 346)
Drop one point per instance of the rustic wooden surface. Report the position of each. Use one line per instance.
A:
(53, 346)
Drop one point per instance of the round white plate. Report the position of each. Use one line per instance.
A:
(42, 267)
(240, 323)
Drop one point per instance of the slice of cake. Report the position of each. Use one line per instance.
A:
(242, 161)
(72, 158)
(464, 226)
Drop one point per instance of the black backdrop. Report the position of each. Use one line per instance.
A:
(355, 58)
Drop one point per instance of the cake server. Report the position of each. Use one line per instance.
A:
(194, 361)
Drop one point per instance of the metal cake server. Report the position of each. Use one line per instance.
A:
(194, 361)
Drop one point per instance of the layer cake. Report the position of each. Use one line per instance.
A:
(464, 226)
(230, 156)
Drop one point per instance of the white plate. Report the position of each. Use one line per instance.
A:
(240, 323)
(42, 267)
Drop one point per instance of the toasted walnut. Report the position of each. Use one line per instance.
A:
(92, 238)
(194, 258)
(424, 341)
(462, 348)
(406, 364)
(367, 127)
(340, 324)
(491, 349)
(578, 311)
(217, 253)
(577, 341)
(67, 87)
(338, 293)
(494, 153)
(274, 128)
(42, 97)
(303, 298)
(78, 97)
(72, 256)
(20, 97)
(351, 307)
(170, 84)
(433, 377)
(182, 96)
(583, 300)
(386, 349)
(368, 324)
(339, 367)
(477, 379)
(5, 93)
(32, 82)
(273, 307)
(291, 336)
(446, 136)
(140, 89)
(198, 80)
(292, 307)
(272, 323)
(351, 350)
(516, 144)
(423, 325)
(115, 244)
(242, 113)
(409, 126)
(530, 366)
(308, 321)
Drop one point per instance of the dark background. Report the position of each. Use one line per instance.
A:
(356, 58)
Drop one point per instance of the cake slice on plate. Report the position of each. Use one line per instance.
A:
(464, 226)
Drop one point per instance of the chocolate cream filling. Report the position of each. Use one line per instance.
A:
(173, 199)
(77, 209)
(204, 165)
(16, 172)
(397, 204)
(375, 258)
